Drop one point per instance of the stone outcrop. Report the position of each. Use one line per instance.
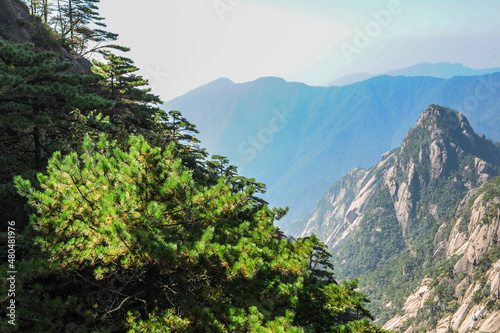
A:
(341, 210)
(413, 303)
(441, 149)
(13, 21)
(16, 26)
(478, 237)
(438, 159)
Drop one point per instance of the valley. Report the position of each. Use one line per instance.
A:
(321, 133)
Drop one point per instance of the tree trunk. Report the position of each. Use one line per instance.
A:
(60, 19)
(71, 27)
(46, 11)
(149, 280)
(37, 135)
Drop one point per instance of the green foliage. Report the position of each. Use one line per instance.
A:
(166, 322)
(491, 190)
(173, 127)
(445, 193)
(37, 95)
(489, 258)
(78, 23)
(134, 105)
(378, 238)
(45, 108)
(175, 252)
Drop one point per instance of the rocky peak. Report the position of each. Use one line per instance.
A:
(442, 154)
(437, 116)
(403, 213)
(441, 149)
(444, 134)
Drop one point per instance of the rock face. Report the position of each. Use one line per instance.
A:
(474, 237)
(17, 26)
(338, 213)
(439, 137)
(429, 210)
(12, 17)
(413, 303)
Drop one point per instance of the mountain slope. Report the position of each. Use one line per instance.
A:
(16, 26)
(465, 296)
(349, 79)
(300, 139)
(419, 222)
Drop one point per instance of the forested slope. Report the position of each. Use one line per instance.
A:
(113, 219)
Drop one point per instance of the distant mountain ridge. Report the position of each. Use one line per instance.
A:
(299, 139)
(441, 70)
(349, 79)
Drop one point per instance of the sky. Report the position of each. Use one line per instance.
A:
(183, 44)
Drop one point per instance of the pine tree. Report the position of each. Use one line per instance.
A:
(219, 166)
(41, 8)
(134, 104)
(171, 253)
(177, 129)
(37, 96)
(73, 21)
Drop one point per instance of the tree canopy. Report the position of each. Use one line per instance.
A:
(190, 256)
(131, 228)
(38, 95)
(77, 24)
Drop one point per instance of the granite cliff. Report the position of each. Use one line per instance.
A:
(421, 228)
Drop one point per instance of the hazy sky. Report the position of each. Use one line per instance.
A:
(182, 44)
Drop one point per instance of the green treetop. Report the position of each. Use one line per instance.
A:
(175, 255)
(134, 104)
(172, 127)
(74, 21)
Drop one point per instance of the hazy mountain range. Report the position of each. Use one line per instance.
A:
(441, 70)
(405, 194)
(299, 139)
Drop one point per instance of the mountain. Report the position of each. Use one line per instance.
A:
(421, 228)
(349, 79)
(440, 70)
(299, 139)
